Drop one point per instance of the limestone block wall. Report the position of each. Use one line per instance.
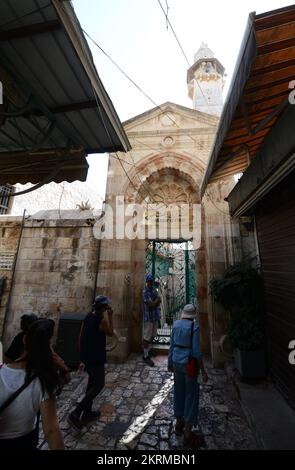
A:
(55, 269)
(115, 280)
(10, 229)
(226, 242)
(202, 291)
(170, 148)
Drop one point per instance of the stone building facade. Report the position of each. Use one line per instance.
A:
(55, 269)
(61, 263)
(170, 149)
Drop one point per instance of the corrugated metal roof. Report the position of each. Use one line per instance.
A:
(258, 94)
(47, 69)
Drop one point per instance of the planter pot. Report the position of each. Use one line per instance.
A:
(250, 364)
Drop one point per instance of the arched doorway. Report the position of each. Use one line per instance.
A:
(165, 188)
(173, 266)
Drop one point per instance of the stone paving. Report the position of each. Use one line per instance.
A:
(137, 411)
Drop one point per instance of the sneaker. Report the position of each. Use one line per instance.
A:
(91, 416)
(149, 361)
(75, 421)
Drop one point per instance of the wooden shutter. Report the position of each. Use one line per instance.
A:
(275, 219)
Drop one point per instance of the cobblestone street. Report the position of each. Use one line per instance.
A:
(137, 411)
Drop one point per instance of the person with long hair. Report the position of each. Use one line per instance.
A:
(27, 386)
(17, 347)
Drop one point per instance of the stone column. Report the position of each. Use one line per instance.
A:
(223, 247)
(114, 280)
(202, 289)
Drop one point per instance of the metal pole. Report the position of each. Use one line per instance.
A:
(12, 278)
(154, 259)
(187, 289)
(96, 270)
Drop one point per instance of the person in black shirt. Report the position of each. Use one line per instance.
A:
(16, 348)
(97, 325)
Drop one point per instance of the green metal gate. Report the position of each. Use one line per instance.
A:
(173, 266)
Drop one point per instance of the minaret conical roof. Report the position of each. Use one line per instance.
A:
(204, 52)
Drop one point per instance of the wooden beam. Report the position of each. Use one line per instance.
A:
(272, 68)
(247, 138)
(257, 108)
(74, 107)
(275, 18)
(66, 108)
(269, 85)
(25, 31)
(267, 79)
(276, 46)
(277, 33)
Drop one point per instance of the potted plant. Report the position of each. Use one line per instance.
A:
(240, 292)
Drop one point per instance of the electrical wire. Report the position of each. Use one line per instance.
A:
(181, 48)
(173, 31)
(140, 89)
(212, 202)
(135, 84)
(101, 114)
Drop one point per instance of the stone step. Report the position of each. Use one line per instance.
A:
(161, 349)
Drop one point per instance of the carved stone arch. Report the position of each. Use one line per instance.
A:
(154, 167)
(169, 186)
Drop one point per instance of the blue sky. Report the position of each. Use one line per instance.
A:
(134, 33)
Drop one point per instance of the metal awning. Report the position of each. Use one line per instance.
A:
(55, 108)
(258, 94)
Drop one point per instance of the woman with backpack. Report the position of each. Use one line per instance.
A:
(185, 361)
(27, 386)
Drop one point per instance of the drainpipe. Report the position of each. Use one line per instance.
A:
(187, 280)
(96, 269)
(12, 278)
(257, 243)
(115, 341)
(154, 259)
(98, 258)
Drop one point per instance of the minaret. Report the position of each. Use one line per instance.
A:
(206, 81)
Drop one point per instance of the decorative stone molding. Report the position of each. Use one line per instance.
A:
(168, 119)
(187, 169)
(168, 141)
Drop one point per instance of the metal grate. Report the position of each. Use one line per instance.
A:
(5, 191)
(174, 268)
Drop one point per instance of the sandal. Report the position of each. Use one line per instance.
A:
(194, 440)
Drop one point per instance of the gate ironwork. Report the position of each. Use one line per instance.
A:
(173, 265)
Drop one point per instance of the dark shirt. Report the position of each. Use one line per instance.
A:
(152, 315)
(16, 348)
(92, 341)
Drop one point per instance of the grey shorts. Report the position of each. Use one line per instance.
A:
(150, 331)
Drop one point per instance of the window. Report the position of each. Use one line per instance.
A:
(4, 199)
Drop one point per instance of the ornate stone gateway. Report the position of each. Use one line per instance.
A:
(161, 175)
(173, 265)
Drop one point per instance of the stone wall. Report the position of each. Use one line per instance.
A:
(170, 148)
(55, 269)
(10, 230)
(227, 240)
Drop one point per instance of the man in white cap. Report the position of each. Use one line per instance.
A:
(184, 350)
(95, 328)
